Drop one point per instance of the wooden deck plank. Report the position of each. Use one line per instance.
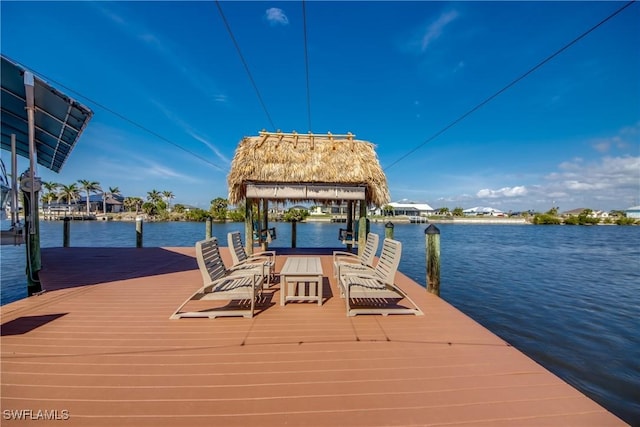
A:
(100, 345)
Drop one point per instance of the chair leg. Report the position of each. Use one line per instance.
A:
(176, 314)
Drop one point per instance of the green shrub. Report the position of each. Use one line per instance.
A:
(572, 220)
(295, 215)
(236, 216)
(199, 215)
(546, 219)
(625, 221)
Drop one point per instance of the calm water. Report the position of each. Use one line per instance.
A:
(568, 297)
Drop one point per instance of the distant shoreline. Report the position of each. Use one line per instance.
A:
(407, 220)
(326, 219)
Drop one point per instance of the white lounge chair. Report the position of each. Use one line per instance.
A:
(240, 257)
(220, 283)
(349, 262)
(375, 292)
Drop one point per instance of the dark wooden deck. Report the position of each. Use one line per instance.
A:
(98, 347)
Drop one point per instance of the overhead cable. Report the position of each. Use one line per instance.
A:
(306, 61)
(126, 119)
(508, 86)
(244, 62)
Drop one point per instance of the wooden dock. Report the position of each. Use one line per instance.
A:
(98, 349)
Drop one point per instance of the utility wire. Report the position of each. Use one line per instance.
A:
(513, 83)
(126, 119)
(306, 60)
(246, 67)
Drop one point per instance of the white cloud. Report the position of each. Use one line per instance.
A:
(435, 29)
(193, 133)
(165, 49)
(212, 147)
(276, 16)
(623, 140)
(160, 171)
(608, 173)
(459, 66)
(574, 165)
(502, 192)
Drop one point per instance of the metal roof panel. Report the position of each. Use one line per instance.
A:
(59, 120)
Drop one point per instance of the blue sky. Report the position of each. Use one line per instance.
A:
(393, 73)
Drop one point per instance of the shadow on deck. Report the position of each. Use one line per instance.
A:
(91, 266)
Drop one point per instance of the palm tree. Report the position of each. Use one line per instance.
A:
(47, 198)
(113, 191)
(154, 196)
(219, 208)
(168, 195)
(131, 203)
(69, 192)
(89, 187)
(51, 188)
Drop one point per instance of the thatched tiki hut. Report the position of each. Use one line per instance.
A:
(276, 166)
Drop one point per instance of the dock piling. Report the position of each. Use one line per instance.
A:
(66, 232)
(207, 229)
(138, 232)
(432, 246)
(388, 230)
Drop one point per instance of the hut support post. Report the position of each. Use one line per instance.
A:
(265, 224)
(294, 232)
(349, 223)
(363, 227)
(248, 226)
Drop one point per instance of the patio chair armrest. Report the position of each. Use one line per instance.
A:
(254, 260)
(347, 260)
(213, 283)
(244, 266)
(358, 276)
(263, 253)
(343, 255)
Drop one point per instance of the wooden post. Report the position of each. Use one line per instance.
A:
(294, 226)
(65, 232)
(248, 226)
(363, 227)
(138, 232)
(432, 243)
(388, 230)
(349, 224)
(257, 222)
(207, 228)
(265, 224)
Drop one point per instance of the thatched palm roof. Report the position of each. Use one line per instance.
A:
(291, 158)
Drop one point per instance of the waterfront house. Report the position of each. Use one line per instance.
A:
(114, 203)
(633, 212)
(411, 208)
(592, 213)
(478, 211)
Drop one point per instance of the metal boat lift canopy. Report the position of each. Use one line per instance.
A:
(59, 120)
(43, 125)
